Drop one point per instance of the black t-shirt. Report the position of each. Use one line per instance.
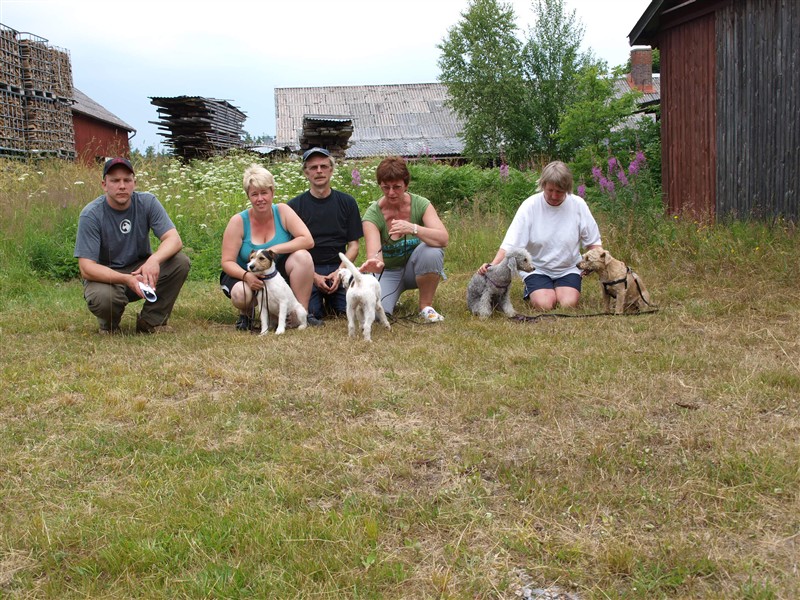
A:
(332, 221)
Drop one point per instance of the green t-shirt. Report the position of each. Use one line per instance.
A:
(397, 252)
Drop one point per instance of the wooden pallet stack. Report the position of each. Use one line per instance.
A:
(12, 117)
(62, 73)
(196, 127)
(35, 97)
(48, 127)
(10, 63)
(37, 70)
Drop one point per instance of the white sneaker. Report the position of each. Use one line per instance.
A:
(429, 315)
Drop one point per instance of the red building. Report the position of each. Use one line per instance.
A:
(98, 133)
(730, 105)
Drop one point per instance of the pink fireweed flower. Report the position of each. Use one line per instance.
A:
(356, 175)
(582, 190)
(636, 163)
(503, 171)
(597, 174)
(612, 164)
(607, 185)
(621, 177)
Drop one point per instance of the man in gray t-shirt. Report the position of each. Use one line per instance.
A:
(114, 255)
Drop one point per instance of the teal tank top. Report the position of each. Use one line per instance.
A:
(281, 236)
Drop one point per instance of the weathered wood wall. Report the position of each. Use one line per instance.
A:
(758, 109)
(688, 100)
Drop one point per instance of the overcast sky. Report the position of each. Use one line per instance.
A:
(240, 50)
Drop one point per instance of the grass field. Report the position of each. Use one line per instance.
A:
(651, 456)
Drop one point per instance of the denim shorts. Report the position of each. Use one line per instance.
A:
(537, 281)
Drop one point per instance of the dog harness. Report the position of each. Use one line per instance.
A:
(624, 280)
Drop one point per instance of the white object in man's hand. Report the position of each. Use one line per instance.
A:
(149, 293)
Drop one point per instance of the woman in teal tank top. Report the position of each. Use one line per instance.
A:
(264, 225)
(281, 236)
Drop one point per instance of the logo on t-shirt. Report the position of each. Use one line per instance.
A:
(125, 226)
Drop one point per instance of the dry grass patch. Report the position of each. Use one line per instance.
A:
(646, 456)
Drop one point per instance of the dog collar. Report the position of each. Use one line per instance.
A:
(270, 276)
(495, 284)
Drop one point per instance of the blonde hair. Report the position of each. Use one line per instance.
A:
(257, 177)
(558, 174)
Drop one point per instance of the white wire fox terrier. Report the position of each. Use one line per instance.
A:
(363, 299)
(276, 297)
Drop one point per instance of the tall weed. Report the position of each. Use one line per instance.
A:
(38, 215)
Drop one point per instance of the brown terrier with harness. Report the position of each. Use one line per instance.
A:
(618, 281)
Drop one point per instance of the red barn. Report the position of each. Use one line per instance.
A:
(98, 133)
(730, 105)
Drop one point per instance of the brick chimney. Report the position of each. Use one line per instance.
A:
(641, 75)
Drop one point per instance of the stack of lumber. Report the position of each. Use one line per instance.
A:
(196, 127)
(331, 132)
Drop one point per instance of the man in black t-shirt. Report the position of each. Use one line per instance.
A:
(334, 221)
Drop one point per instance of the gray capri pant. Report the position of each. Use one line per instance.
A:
(425, 259)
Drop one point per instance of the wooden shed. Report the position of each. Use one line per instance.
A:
(98, 133)
(730, 105)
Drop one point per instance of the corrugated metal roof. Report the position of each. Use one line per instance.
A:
(402, 119)
(86, 106)
(622, 86)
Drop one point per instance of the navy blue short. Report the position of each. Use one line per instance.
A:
(537, 281)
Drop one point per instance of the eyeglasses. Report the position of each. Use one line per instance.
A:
(397, 187)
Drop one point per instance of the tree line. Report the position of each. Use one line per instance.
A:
(526, 100)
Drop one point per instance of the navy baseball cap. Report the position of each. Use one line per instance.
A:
(312, 151)
(113, 162)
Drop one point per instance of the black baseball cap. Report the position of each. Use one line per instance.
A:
(113, 162)
(312, 151)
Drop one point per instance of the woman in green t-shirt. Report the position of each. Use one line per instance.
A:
(405, 240)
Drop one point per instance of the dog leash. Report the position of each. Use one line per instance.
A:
(639, 288)
(520, 318)
(264, 304)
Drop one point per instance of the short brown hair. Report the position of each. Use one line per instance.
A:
(392, 168)
(558, 174)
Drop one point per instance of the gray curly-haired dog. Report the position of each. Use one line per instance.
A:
(491, 290)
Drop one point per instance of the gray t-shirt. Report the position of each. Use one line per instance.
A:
(119, 238)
